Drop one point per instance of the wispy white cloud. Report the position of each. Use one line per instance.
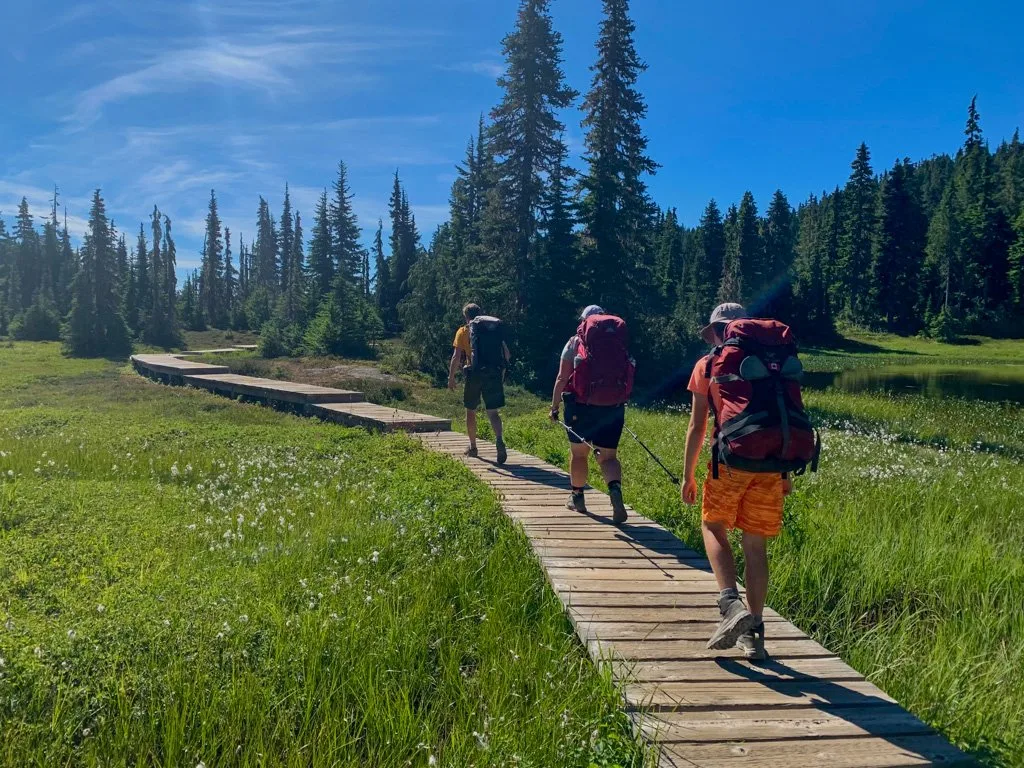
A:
(492, 68)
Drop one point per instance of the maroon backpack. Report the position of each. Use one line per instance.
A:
(760, 421)
(603, 370)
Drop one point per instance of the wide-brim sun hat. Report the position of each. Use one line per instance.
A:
(723, 313)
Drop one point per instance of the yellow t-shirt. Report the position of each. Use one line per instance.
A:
(462, 342)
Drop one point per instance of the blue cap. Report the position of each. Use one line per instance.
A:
(593, 309)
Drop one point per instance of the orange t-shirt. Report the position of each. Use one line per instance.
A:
(700, 383)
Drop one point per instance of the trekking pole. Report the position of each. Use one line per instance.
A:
(672, 477)
(571, 431)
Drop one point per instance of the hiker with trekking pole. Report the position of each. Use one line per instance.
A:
(750, 384)
(595, 379)
(480, 351)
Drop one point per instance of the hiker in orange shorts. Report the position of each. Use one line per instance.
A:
(749, 501)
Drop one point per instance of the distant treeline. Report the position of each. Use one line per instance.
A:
(934, 247)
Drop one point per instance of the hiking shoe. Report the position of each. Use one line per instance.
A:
(576, 503)
(619, 514)
(751, 643)
(502, 452)
(471, 452)
(736, 620)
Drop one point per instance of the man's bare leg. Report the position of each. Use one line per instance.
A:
(471, 429)
(716, 543)
(755, 577)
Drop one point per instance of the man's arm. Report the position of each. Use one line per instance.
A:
(695, 434)
(454, 366)
(564, 372)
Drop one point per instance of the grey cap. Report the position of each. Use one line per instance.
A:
(593, 309)
(723, 313)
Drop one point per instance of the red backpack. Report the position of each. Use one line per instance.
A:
(603, 370)
(760, 421)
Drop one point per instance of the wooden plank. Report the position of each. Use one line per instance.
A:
(641, 615)
(730, 670)
(673, 650)
(629, 574)
(865, 752)
(632, 587)
(174, 366)
(378, 417)
(777, 724)
(274, 390)
(787, 693)
(625, 630)
(639, 560)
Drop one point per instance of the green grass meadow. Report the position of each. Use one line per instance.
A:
(186, 580)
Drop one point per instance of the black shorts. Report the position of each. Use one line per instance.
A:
(598, 424)
(488, 384)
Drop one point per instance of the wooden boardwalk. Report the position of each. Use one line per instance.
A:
(644, 604)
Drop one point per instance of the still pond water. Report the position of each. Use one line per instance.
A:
(995, 383)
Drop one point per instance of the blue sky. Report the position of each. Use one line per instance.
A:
(158, 101)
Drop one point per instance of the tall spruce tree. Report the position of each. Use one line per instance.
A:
(778, 243)
(211, 277)
(615, 209)
(143, 291)
(346, 250)
(813, 321)
(381, 274)
(702, 279)
(321, 251)
(229, 281)
(95, 325)
(858, 216)
(526, 132)
(265, 266)
(897, 250)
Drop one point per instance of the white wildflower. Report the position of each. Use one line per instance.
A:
(101, 608)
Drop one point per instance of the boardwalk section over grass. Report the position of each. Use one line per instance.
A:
(337, 405)
(644, 604)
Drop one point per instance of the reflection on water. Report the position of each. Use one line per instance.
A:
(984, 382)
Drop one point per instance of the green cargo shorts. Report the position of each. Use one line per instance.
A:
(488, 384)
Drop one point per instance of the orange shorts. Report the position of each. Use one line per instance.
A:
(750, 501)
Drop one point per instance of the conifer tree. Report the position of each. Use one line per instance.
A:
(292, 293)
(778, 236)
(211, 276)
(96, 326)
(346, 251)
(526, 132)
(143, 304)
(321, 251)
(381, 274)
(286, 239)
(747, 260)
(668, 264)
(27, 259)
(858, 216)
(730, 283)
(265, 267)
(897, 249)
(702, 279)
(65, 272)
(229, 281)
(1015, 273)
(813, 321)
(615, 209)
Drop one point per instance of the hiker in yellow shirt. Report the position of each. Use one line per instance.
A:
(479, 350)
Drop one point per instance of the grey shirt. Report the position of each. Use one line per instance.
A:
(569, 350)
